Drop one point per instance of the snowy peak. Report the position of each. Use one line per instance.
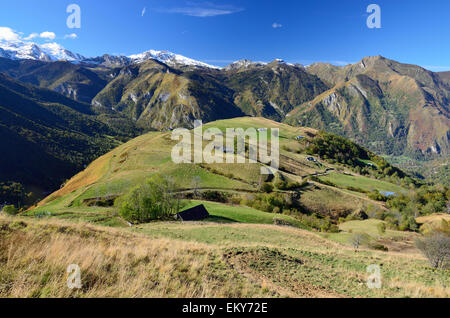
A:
(243, 64)
(109, 60)
(57, 53)
(18, 50)
(168, 58)
(21, 50)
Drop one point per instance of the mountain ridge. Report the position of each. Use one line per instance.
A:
(389, 107)
(406, 105)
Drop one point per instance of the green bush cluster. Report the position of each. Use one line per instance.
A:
(153, 200)
(286, 185)
(10, 210)
(424, 201)
(336, 149)
(270, 202)
(342, 150)
(318, 223)
(377, 196)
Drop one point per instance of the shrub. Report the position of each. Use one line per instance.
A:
(379, 247)
(153, 200)
(436, 247)
(356, 189)
(381, 228)
(267, 187)
(236, 200)
(10, 210)
(333, 229)
(215, 196)
(377, 196)
(358, 239)
(408, 224)
(279, 221)
(358, 215)
(392, 222)
(317, 223)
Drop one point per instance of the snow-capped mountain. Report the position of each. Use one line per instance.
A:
(19, 50)
(168, 58)
(243, 64)
(22, 50)
(57, 53)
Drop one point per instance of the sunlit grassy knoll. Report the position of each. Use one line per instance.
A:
(199, 259)
(113, 264)
(434, 219)
(235, 213)
(331, 201)
(364, 183)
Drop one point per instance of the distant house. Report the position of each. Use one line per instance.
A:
(197, 213)
(299, 137)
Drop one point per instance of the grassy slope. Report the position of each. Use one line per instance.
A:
(222, 213)
(364, 183)
(241, 244)
(199, 260)
(140, 158)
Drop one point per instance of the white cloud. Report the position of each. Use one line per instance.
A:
(8, 34)
(31, 36)
(48, 35)
(143, 11)
(203, 9)
(276, 25)
(71, 36)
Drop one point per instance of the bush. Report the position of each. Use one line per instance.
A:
(392, 222)
(315, 222)
(356, 189)
(381, 228)
(333, 229)
(377, 196)
(379, 247)
(10, 210)
(153, 200)
(358, 239)
(279, 221)
(436, 247)
(408, 224)
(267, 187)
(215, 196)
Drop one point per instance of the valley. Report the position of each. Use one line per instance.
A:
(362, 178)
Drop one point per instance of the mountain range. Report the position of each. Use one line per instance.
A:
(391, 108)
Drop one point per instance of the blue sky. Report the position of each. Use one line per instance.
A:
(218, 32)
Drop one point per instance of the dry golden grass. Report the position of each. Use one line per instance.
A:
(433, 219)
(34, 257)
(198, 259)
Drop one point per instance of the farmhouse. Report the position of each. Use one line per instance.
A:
(194, 214)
